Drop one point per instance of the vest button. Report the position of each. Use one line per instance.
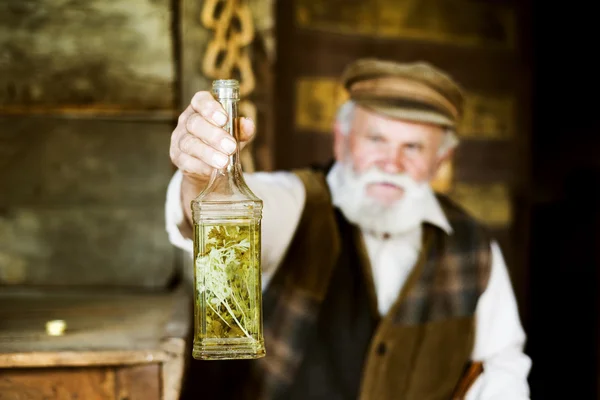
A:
(381, 349)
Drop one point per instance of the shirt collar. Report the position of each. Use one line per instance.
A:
(434, 213)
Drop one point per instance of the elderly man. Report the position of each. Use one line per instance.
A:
(375, 287)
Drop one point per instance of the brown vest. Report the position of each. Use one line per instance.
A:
(418, 351)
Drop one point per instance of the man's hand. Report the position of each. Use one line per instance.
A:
(199, 144)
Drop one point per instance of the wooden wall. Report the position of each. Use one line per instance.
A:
(89, 95)
(476, 42)
(87, 103)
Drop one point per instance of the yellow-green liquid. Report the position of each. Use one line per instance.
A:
(228, 291)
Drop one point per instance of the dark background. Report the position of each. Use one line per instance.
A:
(565, 225)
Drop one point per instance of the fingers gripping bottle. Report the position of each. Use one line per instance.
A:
(227, 249)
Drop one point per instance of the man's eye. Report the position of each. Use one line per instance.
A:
(375, 138)
(414, 146)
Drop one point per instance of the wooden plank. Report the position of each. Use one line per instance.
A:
(477, 69)
(180, 321)
(51, 162)
(194, 39)
(57, 384)
(481, 161)
(173, 368)
(96, 114)
(139, 382)
(82, 202)
(456, 22)
(80, 358)
(99, 55)
(92, 246)
(102, 327)
(263, 64)
(490, 203)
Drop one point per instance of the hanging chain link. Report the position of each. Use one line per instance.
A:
(227, 55)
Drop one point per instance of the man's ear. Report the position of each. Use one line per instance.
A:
(441, 159)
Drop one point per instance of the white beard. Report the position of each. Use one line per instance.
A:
(349, 194)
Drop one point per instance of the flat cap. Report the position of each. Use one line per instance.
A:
(414, 91)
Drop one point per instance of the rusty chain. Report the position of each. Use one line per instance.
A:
(227, 54)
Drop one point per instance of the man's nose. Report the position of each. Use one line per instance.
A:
(393, 162)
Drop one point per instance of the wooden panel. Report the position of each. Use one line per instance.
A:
(491, 71)
(316, 102)
(484, 161)
(490, 203)
(120, 246)
(263, 61)
(461, 22)
(194, 40)
(488, 117)
(82, 202)
(104, 322)
(49, 161)
(141, 382)
(104, 56)
(58, 384)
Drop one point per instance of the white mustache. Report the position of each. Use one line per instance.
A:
(402, 180)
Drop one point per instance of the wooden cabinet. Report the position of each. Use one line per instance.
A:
(93, 383)
(116, 346)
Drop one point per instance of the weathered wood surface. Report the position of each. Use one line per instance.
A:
(50, 162)
(102, 328)
(107, 56)
(98, 246)
(194, 41)
(81, 358)
(263, 62)
(143, 338)
(456, 22)
(139, 382)
(174, 367)
(82, 202)
(61, 384)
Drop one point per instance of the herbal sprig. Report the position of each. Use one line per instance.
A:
(227, 269)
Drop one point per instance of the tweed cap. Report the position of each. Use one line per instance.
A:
(415, 91)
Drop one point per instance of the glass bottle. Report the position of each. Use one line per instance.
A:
(227, 251)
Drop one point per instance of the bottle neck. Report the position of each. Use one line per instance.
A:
(233, 128)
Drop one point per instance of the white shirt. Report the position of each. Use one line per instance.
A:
(499, 339)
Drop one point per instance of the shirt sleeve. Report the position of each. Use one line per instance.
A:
(283, 197)
(174, 215)
(500, 340)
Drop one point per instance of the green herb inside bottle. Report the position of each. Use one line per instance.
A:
(228, 280)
